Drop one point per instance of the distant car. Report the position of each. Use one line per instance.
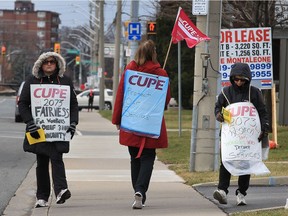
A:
(18, 117)
(83, 99)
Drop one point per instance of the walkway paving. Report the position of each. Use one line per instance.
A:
(98, 174)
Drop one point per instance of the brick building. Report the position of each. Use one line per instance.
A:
(25, 33)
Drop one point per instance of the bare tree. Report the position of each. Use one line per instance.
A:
(245, 14)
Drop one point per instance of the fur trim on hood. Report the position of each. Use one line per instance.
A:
(61, 64)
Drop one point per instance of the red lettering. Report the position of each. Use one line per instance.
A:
(251, 36)
(160, 84)
(259, 35)
(151, 81)
(131, 81)
(36, 95)
(253, 111)
(243, 36)
(63, 93)
(229, 37)
(49, 93)
(266, 35)
(244, 110)
(148, 82)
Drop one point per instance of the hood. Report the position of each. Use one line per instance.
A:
(61, 64)
(240, 69)
(148, 66)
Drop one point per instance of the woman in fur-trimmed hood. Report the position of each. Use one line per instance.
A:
(60, 66)
(49, 69)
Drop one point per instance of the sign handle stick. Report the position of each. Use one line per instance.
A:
(167, 53)
(274, 122)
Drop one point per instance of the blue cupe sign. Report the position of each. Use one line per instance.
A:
(144, 103)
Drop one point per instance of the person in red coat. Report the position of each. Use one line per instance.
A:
(142, 149)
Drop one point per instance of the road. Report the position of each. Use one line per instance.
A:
(258, 197)
(14, 162)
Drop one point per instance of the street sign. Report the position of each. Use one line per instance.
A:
(73, 51)
(134, 31)
(200, 7)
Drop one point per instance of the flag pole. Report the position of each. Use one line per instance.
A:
(167, 54)
(171, 39)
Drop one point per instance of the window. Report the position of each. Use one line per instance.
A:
(40, 34)
(41, 14)
(41, 24)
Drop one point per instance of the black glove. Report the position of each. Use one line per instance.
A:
(219, 117)
(264, 132)
(72, 129)
(32, 128)
(262, 135)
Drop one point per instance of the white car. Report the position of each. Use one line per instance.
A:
(83, 99)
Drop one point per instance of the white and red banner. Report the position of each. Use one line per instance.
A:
(50, 106)
(241, 152)
(184, 29)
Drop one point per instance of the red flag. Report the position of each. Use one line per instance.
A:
(185, 29)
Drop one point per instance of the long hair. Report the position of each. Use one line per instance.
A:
(146, 52)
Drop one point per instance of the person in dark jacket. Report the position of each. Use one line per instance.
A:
(48, 101)
(90, 100)
(240, 90)
(141, 167)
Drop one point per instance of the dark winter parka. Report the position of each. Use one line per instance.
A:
(241, 94)
(38, 77)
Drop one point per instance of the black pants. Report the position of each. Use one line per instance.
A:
(141, 169)
(90, 104)
(43, 177)
(224, 181)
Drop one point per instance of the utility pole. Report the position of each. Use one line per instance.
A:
(204, 151)
(117, 49)
(94, 26)
(134, 18)
(101, 57)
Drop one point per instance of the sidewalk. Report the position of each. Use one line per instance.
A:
(98, 174)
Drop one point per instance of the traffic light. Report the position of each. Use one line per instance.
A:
(151, 27)
(57, 48)
(126, 23)
(77, 60)
(3, 50)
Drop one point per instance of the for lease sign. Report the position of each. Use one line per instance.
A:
(252, 46)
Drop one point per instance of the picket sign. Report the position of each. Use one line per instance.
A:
(50, 106)
(240, 149)
(143, 103)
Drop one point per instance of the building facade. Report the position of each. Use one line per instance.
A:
(24, 30)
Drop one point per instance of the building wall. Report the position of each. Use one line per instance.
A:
(39, 27)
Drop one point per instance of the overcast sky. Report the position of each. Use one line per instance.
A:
(75, 12)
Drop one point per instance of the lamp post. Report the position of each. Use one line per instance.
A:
(94, 34)
(101, 55)
(81, 55)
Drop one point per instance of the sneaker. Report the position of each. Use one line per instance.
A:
(221, 196)
(63, 196)
(240, 200)
(138, 201)
(41, 203)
